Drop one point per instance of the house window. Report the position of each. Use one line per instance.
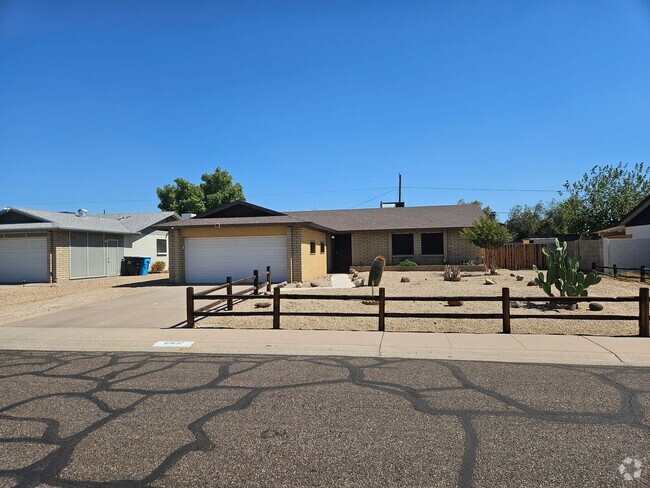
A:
(432, 243)
(322, 247)
(402, 244)
(161, 247)
(312, 247)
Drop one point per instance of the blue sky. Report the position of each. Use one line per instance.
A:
(317, 104)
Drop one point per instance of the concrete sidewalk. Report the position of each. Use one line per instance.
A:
(631, 351)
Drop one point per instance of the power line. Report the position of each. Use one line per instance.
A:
(373, 198)
(479, 189)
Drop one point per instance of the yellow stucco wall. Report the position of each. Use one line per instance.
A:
(253, 231)
(313, 265)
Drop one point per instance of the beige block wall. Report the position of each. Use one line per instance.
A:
(60, 256)
(459, 249)
(366, 246)
(294, 255)
(313, 265)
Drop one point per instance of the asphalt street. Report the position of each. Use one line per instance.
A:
(143, 419)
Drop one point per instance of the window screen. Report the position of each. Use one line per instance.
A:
(161, 247)
(432, 243)
(402, 244)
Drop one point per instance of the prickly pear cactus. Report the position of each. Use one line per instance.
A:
(564, 274)
(377, 269)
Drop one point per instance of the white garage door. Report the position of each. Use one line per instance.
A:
(23, 259)
(211, 260)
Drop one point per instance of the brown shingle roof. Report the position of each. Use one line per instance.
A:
(400, 218)
(403, 218)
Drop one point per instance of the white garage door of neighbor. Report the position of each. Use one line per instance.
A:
(23, 259)
(211, 260)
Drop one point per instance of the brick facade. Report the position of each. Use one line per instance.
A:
(366, 246)
(176, 257)
(294, 256)
(60, 255)
(459, 250)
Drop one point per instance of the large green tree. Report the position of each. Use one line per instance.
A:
(541, 219)
(184, 196)
(604, 195)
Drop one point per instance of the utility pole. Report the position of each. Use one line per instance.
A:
(399, 199)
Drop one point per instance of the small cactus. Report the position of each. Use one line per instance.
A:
(376, 271)
(452, 273)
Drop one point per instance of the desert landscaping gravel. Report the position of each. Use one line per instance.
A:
(19, 302)
(424, 283)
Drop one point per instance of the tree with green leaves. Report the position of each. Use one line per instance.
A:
(215, 190)
(487, 234)
(604, 195)
(541, 219)
(487, 210)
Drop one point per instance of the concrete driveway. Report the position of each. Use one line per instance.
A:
(160, 307)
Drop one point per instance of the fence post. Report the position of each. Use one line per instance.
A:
(644, 312)
(505, 306)
(643, 273)
(256, 282)
(229, 291)
(382, 309)
(268, 279)
(615, 270)
(276, 308)
(189, 294)
(593, 266)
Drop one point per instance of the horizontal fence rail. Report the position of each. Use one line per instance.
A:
(615, 269)
(643, 299)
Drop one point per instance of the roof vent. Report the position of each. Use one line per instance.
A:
(82, 212)
(187, 216)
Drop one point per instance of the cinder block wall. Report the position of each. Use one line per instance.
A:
(459, 249)
(366, 246)
(60, 255)
(589, 251)
(294, 256)
(176, 257)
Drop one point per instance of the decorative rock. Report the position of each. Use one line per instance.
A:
(405, 279)
(355, 276)
(571, 306)
(595, 307)
(512, 274)
(531, 283)
(298, 285)
(454, 303)
(370, 302)
(488, 281)
(313, 284)
(519, 278)
(353, 271)
(262, 304)
(515, 304)
(359, 283)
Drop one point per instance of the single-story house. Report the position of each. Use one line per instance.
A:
(237, 238)
(37, 246)
(627, 244)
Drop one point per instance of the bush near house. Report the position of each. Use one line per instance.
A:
(157, 267)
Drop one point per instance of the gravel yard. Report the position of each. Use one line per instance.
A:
(19, 302)
(424, 283)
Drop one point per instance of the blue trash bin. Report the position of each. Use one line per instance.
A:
(144, 265)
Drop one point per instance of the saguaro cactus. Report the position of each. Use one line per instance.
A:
(564, 274)
(377, 269)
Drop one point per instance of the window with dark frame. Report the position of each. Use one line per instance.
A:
(312, 247)
(322, 247)
(161, 247)
(432, 243)
(402, 244)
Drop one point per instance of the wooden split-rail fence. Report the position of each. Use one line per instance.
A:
(223, 306)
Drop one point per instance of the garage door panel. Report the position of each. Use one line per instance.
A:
(211, 260)
(23, 259)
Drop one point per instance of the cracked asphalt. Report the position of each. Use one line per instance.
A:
(140, 419)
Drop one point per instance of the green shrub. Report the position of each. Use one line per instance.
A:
(157, 267)
(469, 262)
(407, 262)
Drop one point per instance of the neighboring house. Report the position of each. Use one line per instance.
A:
(627, 245)
(237, 238)
(38, 246)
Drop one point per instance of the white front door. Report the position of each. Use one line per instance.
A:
(112, 257)
(23, 259)
(211, 260)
